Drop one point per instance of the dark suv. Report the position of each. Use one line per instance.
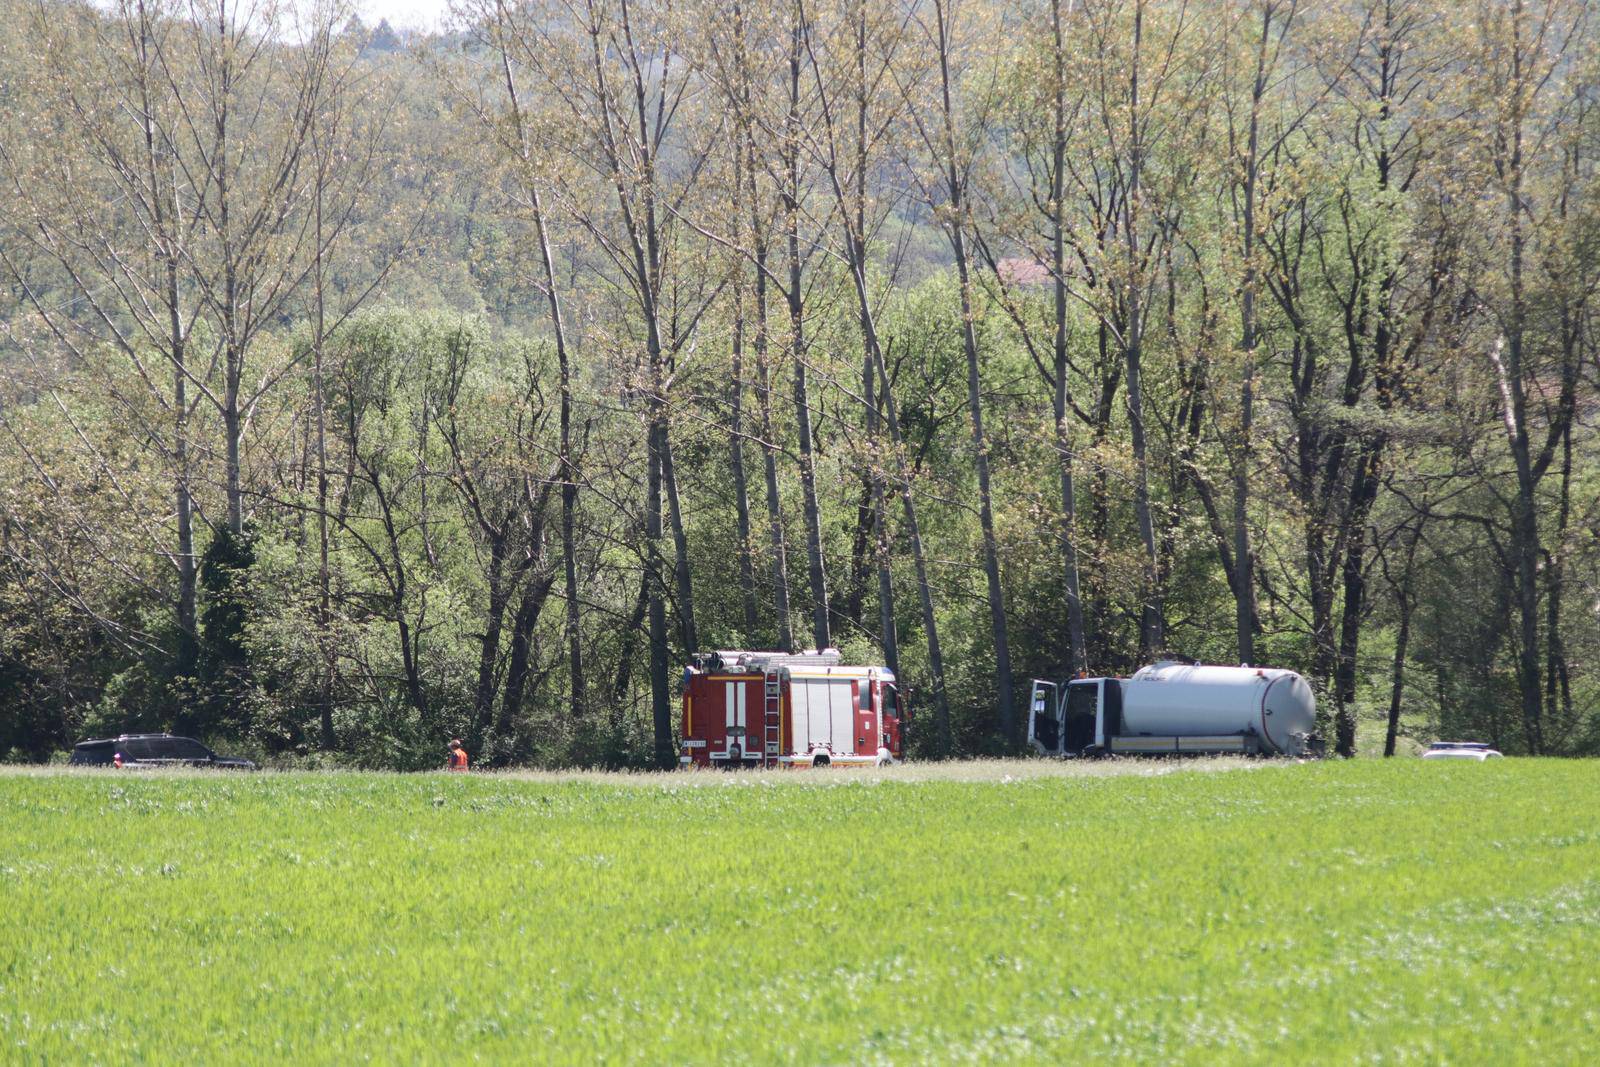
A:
(153, 750)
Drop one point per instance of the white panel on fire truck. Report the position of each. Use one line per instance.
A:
(842, 709)
(817, 728)
(796, 712)
(728, 688)
(810, 724)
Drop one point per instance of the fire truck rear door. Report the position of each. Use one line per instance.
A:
(737, 716)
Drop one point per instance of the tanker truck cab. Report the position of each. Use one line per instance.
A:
(1175, 708)
(1076, 717)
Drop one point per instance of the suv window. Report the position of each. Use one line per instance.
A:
(155, 748)
(138, 748)
(179, 748)
(93, 755)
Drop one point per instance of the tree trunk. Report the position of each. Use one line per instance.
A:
(955, 189)
(1524, 519)
(761, 338)
(1076, 643)
(1318, 575)
(1098, 640)
(324, 593)
(991, 550)
(568, 468)
(769, 458)
(630, 636)
(1355, 588)
(1397, 673)
(232, 428)
(188, 656)
(408, 660)
(741, 486)
(820, 621)
(534, 595)
(741, 490)
(861, 551)
(1558, 690)
(1152, 612)
(1243, 562)
(942, 744)
(889, 640)
(820, 628)
(489, 640)
(1524, 547)
(660, 699)
(577, 695)
(680, 542)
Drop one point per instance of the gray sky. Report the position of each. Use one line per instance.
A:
(416, 14)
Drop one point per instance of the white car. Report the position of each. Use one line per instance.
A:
(1473, 750)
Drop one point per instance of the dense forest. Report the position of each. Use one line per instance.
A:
(358, 391)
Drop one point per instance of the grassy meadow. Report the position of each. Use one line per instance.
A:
(1209, 912)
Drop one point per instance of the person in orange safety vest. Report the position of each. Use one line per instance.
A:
(458, 756)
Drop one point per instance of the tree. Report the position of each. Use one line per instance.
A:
(617, 79)
(1519, 51)
(955, 154)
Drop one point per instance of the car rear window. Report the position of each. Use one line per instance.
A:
(92, 754)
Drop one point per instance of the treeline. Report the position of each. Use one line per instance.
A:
(355, 397)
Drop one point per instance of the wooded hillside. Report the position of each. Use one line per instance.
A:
(357, 393)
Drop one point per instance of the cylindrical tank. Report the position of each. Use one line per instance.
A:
(1183, 700)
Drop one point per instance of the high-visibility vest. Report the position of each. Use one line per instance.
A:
(458, 759)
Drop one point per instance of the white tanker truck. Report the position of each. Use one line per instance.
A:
(1173, 707)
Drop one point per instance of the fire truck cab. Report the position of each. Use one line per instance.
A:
(767, 709)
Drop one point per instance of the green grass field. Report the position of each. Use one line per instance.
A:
(1396, 911)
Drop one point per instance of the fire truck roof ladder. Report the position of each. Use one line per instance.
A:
(769, 662)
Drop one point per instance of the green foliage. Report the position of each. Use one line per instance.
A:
(1380, 278)
(223, 661)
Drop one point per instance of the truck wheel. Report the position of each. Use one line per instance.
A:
(820, 760)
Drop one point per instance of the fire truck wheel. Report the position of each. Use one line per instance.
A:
(819, 760)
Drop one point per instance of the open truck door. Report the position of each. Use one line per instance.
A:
(1084, 724)
(1044, 718)
(1066, 719)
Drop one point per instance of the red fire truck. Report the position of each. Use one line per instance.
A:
(766, 709)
